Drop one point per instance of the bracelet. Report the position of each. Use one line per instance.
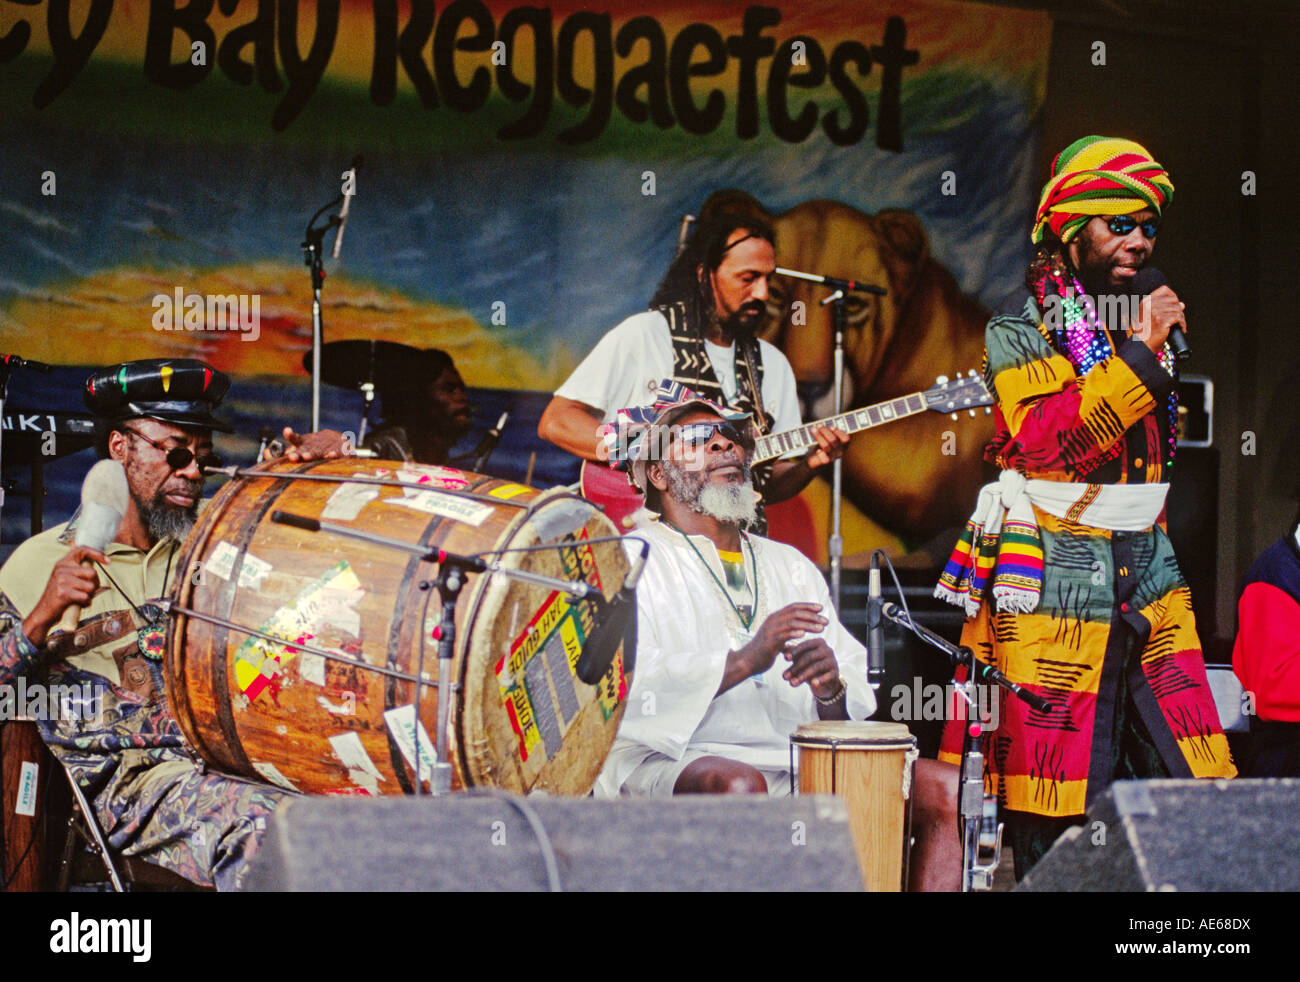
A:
(835, 698)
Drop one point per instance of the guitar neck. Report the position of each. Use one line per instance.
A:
(854, 421)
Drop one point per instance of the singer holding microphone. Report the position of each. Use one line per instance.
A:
(154, 422)
(1065, 571)
(738, 643)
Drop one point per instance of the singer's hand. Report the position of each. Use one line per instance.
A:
(831, 444)
(72, 581)
(812, 661)
(321, 445)
(1159, 312)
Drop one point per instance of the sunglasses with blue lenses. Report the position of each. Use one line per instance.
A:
(696, 435)
(1124, 224)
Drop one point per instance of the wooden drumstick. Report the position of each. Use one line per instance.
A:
(104, 497)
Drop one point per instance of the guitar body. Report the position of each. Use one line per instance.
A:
(610, 491)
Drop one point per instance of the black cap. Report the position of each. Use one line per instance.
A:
(182, 391)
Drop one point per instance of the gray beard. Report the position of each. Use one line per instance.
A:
(166, 521)
(731, 503)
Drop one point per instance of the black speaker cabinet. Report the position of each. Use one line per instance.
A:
(468, 842)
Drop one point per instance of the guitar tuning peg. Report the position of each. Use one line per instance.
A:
(954, 416)
(971, 373)
(942, 380)
(988, 410)
(972, 414)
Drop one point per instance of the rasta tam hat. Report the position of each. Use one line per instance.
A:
(1099, 175)
(637, 434)
(181, 391)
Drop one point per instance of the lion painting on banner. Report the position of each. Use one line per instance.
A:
(907, 481)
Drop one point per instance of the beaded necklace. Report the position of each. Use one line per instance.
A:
(745, 622)
(1085, 343)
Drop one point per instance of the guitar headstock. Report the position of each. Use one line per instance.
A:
(964, 392)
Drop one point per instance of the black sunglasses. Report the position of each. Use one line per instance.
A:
(696, 435)
(1124, 224)
(178, 458)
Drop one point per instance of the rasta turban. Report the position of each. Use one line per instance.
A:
(1099, 175)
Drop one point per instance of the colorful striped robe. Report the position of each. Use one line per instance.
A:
(1103, 592)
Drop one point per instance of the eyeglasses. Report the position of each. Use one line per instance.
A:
(178, 458)
(696, 435)
(1124, 224)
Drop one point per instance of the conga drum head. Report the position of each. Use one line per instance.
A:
(848, 732)
(293, 656)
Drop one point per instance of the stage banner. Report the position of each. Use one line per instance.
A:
(524, 172)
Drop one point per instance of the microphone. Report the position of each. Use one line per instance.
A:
(104, 497)
(489, 443)
(13, 361)
(1147, 280)
(983, 671)
(614, 624)
(683, 234)
(875, 627)
(347, 203)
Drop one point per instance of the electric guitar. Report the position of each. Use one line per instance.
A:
(611, 491)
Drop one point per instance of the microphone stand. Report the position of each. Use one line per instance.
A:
(313, 258)
(835, 543)
(975, 875)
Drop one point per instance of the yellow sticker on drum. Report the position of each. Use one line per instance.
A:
(508, 491)
(258, 661)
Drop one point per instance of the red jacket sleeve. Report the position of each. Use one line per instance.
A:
(1266, 657)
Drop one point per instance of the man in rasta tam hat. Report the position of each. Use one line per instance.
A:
(1065, 570)
(150, 796)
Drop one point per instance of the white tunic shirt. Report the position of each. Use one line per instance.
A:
(686, 627)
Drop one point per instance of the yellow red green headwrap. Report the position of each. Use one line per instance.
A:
(1099, 175)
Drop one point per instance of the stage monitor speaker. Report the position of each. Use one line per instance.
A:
(1182, 835)
(485, 843)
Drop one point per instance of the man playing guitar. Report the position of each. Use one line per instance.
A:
(699, 332)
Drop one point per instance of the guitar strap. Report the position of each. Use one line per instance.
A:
(692, 368)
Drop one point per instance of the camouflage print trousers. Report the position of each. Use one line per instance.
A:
(205, 827)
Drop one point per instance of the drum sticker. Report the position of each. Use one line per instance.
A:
(311, 668)
(352, 755)
(272, 774)
(445, 505)
(401, 723)
(345, 685)
(222, 563)
(26, 803)
(258, 661)
(347, 501)
(508, 491)
(433, 475)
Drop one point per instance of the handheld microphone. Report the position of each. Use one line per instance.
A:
(104, 497)
(615, 623)
(875, 626)
(13, 361)
(347, 204)
(1148, 280)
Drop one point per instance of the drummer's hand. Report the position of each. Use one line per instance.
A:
(788, 624)
(72, 581)
(321, 445)
(812, 661)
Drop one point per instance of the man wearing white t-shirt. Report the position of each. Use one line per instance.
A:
(700, 332)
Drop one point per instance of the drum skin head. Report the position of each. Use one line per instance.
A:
(863, 733)
(344, 722)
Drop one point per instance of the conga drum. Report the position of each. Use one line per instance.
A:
(870, 764)
(341, 719)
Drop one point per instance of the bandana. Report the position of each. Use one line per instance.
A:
(632, 436)
(1099, 175)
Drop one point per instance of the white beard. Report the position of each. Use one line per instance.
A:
(731, 503)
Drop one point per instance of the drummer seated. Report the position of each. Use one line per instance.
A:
(737, 642)
(117, 738)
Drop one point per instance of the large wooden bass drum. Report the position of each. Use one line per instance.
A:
(346, 724)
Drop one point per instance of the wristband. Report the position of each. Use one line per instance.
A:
(835, 698)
